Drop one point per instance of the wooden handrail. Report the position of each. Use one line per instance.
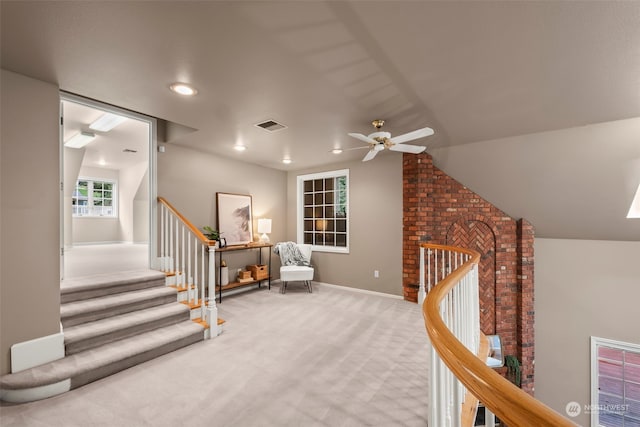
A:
(511, 404)
(196, 232)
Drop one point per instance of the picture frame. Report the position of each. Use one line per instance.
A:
(235, 218)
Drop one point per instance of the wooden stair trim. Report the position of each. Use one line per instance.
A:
(192, 305)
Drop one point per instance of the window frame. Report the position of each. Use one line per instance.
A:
(300, 209)
(596, 343)
(90, 199)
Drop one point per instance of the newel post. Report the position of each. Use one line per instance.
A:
(211, 309)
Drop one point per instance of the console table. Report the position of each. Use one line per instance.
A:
(248, 247)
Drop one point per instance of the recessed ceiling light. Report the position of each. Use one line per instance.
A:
(183, 89)
(286, 161)
(239, 147)
(336, 150)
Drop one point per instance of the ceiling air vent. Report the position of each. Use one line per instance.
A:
(129, 150)
(271, 125)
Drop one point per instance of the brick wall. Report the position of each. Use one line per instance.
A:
(438, 209)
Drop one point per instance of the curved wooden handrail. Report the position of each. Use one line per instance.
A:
(510, 403)
(196, 232)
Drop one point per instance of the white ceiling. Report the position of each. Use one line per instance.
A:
(107, 150)
(473, 71)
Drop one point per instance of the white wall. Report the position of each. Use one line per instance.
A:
(583, 288)
(30, 211)
(87, 230)
(129, 181)
(375, 235)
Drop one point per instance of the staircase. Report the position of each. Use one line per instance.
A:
(110, 323)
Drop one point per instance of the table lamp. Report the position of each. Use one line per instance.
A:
(264, 227)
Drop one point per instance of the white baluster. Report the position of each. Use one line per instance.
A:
(189, 278)
(162, 266)
(429, 268)
(177, 263)
(202, 284)
(195, 263)
(183, 271)
(421, 291)
(171, 245)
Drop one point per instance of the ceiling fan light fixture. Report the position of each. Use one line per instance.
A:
(183, 89)
(239, 147)
(286, 161)
(337, 151)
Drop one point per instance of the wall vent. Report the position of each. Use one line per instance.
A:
(271, 125)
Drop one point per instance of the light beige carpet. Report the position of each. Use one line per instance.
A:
(331, 358)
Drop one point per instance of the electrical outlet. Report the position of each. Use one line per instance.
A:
(376, 274)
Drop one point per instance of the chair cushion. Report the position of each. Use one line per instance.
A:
(290, 273)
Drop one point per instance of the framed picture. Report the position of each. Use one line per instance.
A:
(235, 218)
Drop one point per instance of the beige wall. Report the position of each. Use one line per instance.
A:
(189, 180)
(29, 224)
(583, 288)
(375, 236)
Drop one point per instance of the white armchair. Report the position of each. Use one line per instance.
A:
(296, 264)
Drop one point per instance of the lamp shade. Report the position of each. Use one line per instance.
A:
(264, 225)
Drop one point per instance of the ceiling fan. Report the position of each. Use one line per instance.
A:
(380, 140)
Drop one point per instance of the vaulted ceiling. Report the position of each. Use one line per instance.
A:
(473, 71)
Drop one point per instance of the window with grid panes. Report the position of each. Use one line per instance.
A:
(323, 210)
(93, 197)
(615, 383)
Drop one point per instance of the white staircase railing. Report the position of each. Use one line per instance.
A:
(459, 377)
(187, 256)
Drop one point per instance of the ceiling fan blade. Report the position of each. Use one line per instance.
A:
(370, 155)
(419, 133)
(363, 138)
(415, 149)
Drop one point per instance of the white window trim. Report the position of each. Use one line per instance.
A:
(300, 209)
(114, 197)
(595, 343)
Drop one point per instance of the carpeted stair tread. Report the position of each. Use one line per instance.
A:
(79, 288)
(74, 313)
(107, 359)
(91, 334)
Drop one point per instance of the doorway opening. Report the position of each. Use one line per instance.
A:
(108, 193)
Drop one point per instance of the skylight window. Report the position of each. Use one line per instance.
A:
(634, 211)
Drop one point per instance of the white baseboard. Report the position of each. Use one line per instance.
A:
(27, 354)
(35, 393)
(347, 288)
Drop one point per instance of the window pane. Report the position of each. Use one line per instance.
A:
(108, 186)
(341, 240)
(308, 238)
(108, 202)
(341, 225)
(107, 194)
(318, 185)
(308, 186)
(319, 198)
(329, 198)
(328, 183)
(97, 185)
(308, 225)
(308, 199)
